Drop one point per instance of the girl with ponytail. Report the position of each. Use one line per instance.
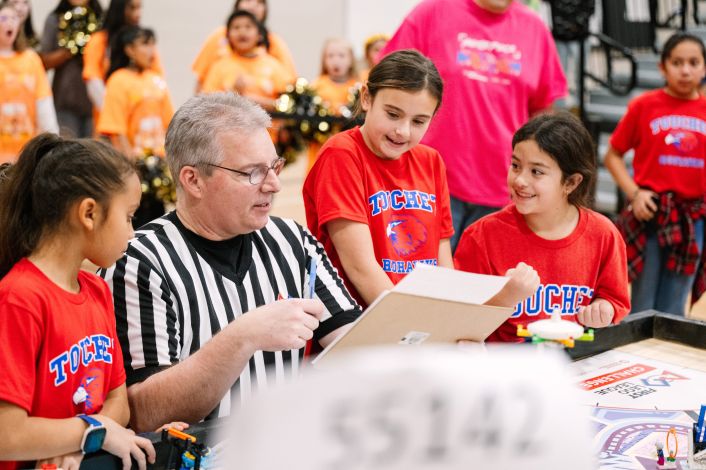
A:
(63, 389)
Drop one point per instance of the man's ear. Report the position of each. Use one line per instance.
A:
(89, 213)
(191, 180)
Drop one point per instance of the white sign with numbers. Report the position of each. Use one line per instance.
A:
(426, 408)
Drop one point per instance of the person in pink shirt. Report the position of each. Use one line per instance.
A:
(499, 64)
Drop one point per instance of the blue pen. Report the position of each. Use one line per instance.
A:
(701, 425)
(312, 277)
(312, 283)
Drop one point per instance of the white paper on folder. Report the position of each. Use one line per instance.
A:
(427, 289)
(449, 284)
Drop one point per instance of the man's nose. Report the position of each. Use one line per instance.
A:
(271, 183)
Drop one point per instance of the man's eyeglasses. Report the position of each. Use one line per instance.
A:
(259, 173)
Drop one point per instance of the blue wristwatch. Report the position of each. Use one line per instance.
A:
(94, 436)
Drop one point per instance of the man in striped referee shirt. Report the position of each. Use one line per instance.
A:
(187, 280)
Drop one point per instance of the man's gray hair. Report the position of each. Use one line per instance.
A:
(192, 135)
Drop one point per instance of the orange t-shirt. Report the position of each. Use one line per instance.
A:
(23, 82)
(334, 93)
(137, 105)
(216, 47)
(96, 59)
(264, 76)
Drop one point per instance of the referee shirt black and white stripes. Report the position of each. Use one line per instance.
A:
(174, 290)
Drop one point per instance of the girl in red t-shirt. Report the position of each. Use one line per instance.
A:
(63, 387)
(663, 224)
(377, 199)
(578, 253)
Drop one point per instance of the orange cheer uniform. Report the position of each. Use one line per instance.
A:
(137, 105)
(216, 47)
(263, 75)
(96, 60)
(23, 82)
(334, 95)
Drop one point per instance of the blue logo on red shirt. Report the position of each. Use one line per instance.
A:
(684, 141)
(90, 391)
(406, 233)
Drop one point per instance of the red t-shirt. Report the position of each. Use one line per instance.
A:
(404, 202)
(590, 263)
(60, 355)
(669, 138)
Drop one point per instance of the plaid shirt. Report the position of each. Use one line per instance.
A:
(674, 224)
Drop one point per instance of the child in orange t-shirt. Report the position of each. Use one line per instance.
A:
(96, 55)
(26, 105)
(217, 46)
(334, 84)
(137, 107)
(24, 10)
(247, 69)
(373, 45)
(337, 74)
